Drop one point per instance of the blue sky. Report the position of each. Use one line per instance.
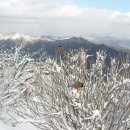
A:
(116, 5)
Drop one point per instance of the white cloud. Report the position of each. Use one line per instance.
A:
(60, 17)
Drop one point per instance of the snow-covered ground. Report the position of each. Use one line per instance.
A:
(23, 126)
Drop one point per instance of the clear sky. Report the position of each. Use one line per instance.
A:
(117, 5)
(65, 17)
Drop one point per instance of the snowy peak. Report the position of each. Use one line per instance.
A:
(15, 36)
(19, 38)
(12, 36)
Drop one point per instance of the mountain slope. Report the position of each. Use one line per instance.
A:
(50, 44)
(72, 43)
(119, 43)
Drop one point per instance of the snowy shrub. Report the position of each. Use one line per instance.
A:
(42, 93)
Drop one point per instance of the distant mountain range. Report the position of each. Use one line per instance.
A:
(112, 41)
(113, 46)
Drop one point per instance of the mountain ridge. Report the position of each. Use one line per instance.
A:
(51, 43)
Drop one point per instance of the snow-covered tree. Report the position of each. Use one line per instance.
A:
(43, 92)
